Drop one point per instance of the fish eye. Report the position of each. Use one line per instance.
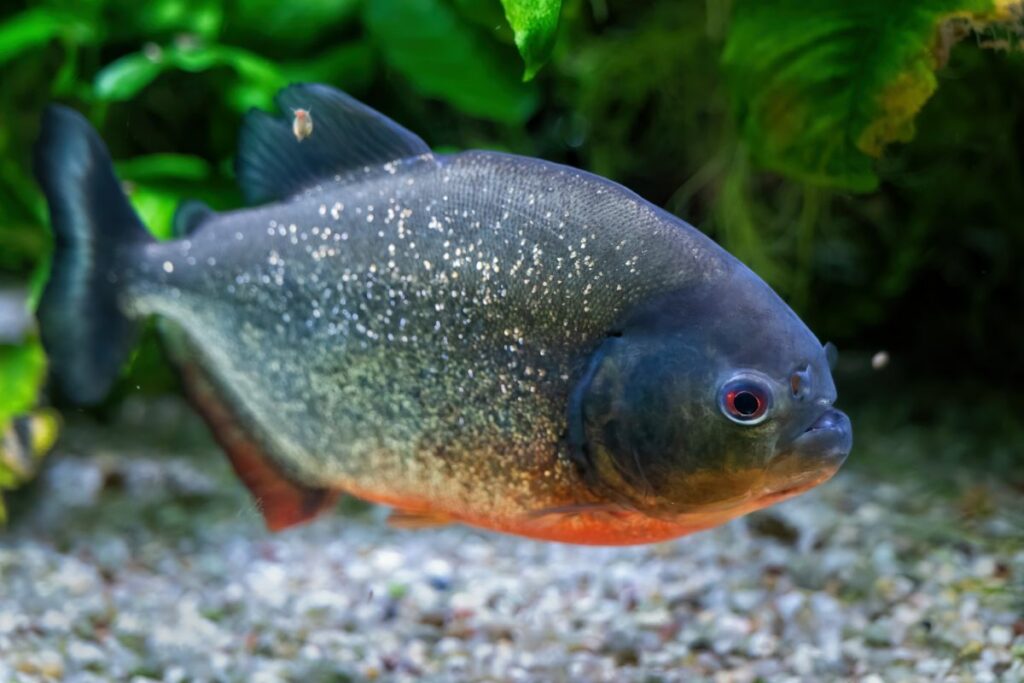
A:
(745, 401)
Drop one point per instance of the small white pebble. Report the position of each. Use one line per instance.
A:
(1000, 636)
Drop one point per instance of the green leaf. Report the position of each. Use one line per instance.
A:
(130, 21)
(123, 78)
(155, 184)
(163, 167)
(36, 27)
(22, 369)
(292, 24)
(819, 92)
(535, 23)
(488, 15)
(443, 56)
(349, 66)
(156, 207)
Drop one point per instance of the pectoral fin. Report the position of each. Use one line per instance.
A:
(416, 519)
(610, 510)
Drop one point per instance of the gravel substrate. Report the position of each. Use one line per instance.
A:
(136, 567)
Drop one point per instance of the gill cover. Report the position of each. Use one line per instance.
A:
(644, 430)
(618, 430)
(646, 419)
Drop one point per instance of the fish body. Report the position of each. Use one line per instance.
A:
(478, 337)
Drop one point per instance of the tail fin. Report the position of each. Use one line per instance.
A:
(84, 330)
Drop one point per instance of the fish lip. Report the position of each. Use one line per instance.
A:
(811, 458)
(830, 436)
(825, 442)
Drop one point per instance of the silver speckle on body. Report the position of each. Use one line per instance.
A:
(386, 332)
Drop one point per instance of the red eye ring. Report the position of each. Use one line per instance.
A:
(744, 402)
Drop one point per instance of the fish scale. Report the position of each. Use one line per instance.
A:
(376, 327)
(479, 337)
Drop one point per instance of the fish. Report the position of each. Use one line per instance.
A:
(476, 338)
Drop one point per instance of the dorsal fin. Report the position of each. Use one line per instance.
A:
(189, 215)
(273, 163)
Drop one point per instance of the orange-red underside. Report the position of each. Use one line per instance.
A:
(285, 503)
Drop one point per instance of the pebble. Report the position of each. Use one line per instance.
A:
(168, 577)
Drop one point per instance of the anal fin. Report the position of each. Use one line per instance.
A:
(282, 502)
(189, 215)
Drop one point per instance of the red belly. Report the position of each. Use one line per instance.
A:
(586, 527)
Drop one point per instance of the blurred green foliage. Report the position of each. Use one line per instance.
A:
(751, 119)
(820, 94)
(24, 437)
(22, 367)
(467, 72)
(534, 23)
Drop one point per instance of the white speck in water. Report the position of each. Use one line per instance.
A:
(168, 267)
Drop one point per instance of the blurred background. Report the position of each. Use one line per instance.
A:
(729, 116)
(866, 158)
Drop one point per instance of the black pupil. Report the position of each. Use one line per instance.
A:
(746, 403)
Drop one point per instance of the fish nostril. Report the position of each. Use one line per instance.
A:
(800, 383)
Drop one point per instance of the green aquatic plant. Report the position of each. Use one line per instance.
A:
(535, 23)
(26, 435)
(820, 92)
(428, 42)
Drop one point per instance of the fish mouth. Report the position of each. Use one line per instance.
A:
(830, 437)
(812, 457)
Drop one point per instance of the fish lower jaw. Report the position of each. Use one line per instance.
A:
(771, 496)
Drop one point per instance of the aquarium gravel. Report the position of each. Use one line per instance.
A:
(134, 567)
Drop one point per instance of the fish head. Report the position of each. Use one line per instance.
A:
(708, 403)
